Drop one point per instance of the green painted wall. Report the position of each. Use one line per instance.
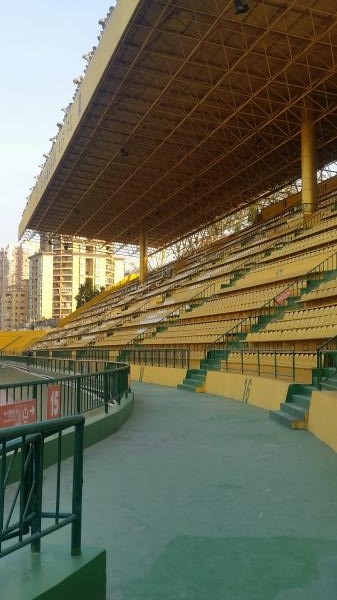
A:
(53, 574)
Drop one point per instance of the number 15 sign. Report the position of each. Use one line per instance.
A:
(54, 402)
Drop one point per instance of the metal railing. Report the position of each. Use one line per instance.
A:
(326, 361)
(92, 354)
(275, 363)
(76, 393)
(61, 353)
(22, 511)
(161, 357)
(67, 366)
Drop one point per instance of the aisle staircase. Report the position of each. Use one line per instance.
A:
(294, 411)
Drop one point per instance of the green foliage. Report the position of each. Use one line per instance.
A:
(86, 292)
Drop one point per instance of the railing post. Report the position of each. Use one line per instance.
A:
(275, 365)
(78, 394)
(76, 528)
(35, 398)
(106, 392)
(319, 366)
(37, 491)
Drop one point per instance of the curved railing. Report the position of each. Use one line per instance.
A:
(67, 395)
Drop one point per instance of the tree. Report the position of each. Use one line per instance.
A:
(86, 292)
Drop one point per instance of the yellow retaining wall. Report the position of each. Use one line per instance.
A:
(262, 392)
(158, 375)
(323, 417)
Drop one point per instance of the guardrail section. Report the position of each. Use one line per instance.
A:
(23, 518)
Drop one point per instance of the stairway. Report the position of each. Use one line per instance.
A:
(194, 381)
(294, 411)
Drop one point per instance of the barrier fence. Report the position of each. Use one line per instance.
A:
(61, 365)
(160, 357)
(276, 363)
(23, 519)
(63, 396)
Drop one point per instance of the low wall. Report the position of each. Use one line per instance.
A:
(263, 392)
(158, 375)
(323, 417)
(53, 574)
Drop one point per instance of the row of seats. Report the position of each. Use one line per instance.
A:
(168, 295)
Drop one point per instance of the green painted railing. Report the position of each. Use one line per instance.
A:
(92, 354)
(76, 393)
(161, 357)
(326, 362)
(61, 353)
(67, 366)
(23, 519)
(275, 363)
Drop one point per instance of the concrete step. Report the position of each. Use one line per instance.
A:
(294, 410)
(186, 387)
(196, 372)
(194, 381)
(287, 420)
(300, 400)
(212, 365)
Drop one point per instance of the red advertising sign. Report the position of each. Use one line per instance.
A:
(18, 413)
(54, 402)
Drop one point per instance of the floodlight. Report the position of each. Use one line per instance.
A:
(241, 7)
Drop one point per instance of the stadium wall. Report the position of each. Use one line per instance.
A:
(323, 417)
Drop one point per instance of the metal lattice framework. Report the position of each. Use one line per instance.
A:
(198, 112)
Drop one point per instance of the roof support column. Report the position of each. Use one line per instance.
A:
(143, 256)
(308, 164)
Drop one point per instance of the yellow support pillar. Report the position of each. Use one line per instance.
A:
(308, 163)
(143, 256)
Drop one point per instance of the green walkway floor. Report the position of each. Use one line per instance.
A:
(202, 498)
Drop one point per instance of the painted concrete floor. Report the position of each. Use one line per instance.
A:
(202, 498)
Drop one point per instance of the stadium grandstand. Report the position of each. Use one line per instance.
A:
(189, 114)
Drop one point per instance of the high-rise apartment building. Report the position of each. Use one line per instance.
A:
(39, 282)
(14, 274)
(59, 268)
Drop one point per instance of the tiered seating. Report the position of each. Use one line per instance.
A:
(229, 303)
(327, 291)
(295, 366)
(12, 342)
(299, 326)
(233, 287)
(283, 270)
(192, 334)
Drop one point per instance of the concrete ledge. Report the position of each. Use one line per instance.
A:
(263, 392)
(53, 574)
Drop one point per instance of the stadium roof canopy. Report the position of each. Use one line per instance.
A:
(188, 111)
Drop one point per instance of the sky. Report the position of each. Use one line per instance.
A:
(41, 48)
